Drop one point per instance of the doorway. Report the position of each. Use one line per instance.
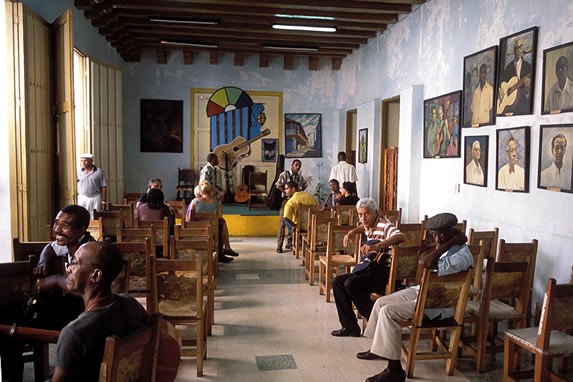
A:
(390, 121)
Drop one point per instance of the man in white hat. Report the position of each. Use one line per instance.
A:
(92, 186)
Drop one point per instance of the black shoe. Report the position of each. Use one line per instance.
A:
(225, 259)
(230, 252)
(279, 250)
(344, 332)
(288, 247)
(388, 376)
(367, 355)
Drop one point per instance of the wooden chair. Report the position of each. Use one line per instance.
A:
(301, 229)
(49, 232)
(179, 207)
(346, 215)
(404, 270)
(504, 297)
(518, 252)
(213, 219)
(438, 292)
(133, 357)
(24, 249)
(127, 211)
(178, 297)
(188, 248)
(161, 233)
(137, 235)
(199, 230)
(316, 243)
(487, 239)
(138, 254)
(110, 219)
(550, 340)
(394, 216)
(185, 183)
(337, 256)
(95, 228)
(258, 190)
(413, 234)
(121, 282)
(131, 197)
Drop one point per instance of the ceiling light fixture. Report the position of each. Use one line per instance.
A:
(295, 48)
(304, 28)
(173, 20)
(190, 43)
(303, 17)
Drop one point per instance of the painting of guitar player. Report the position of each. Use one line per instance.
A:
(516, 77)
(236, 122)
(303, 135)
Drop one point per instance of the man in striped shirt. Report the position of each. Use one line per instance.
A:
(355, 288)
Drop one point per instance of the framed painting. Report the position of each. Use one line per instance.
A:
(555, 169)
(557, 84)
(479, 92)
(269, 150)
(476, 160)
(441, 126)
(512, 159)
(363, 146)
(161, 124)
(516, 75)
(303, 135)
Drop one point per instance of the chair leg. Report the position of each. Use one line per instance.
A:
(453, 349)
(412, 349)
(542, 368)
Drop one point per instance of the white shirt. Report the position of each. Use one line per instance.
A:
(474, 173)
(482, 102)
(558, 99)
(554, 177)
(511, 181)
(343, 172)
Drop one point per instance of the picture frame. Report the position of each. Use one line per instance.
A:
(303, 135)
(269, 149)
(555, 169)
(363, 146)
(515, 91)
(161, 124)
(512, 159)
(441, 126)
(559, 56)
(474, 97)
(476, 160)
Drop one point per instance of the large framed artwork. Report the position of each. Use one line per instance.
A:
(512, 159)
(479, 93)
(516, 77)
(476, 160)
(557, 84)
(161, 124)
(441, 126)
(555, 169)
(363, 146)
(303, 135)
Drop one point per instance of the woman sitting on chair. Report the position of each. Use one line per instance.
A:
(155, 208)
(334, 195)
(206, 202)
(349, 194)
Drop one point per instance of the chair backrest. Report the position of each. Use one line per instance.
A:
(442, 292)
(479, 254)
(139, 269)
(133, 357)
(199, 230)
(110, 220)
(127, 211)
(303, 219)
(185, 177)
(403, 268)
(17, 284)
(95, 228)
(179, 206)
(188, 249)
(131, 197)
(121, 282)
(487, 239)
(24, 249)
(161, 233)
(557, 311)
(335, 245)
(319, 230)
(346, 215)
(258, 181)
(137, 235)
(394, 216)
(413, 233)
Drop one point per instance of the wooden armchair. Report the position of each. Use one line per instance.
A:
(337, 256)
(316, 243)
(550, 340)
(178, 297)
(438, 292)
(161, 233)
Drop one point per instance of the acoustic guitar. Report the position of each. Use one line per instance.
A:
(230, 154)
(508, 92)
(242, 194)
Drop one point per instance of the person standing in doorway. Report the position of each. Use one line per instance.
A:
(343, 171)
(92, 186)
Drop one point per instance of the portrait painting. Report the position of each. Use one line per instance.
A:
(555, 170)
(442, 126)
(161, 123)
(363, 146)
(479, 93)
(303, 135)
(270, 148)
(557, 79)
(476, 160)
(512, 159)
(516, 76)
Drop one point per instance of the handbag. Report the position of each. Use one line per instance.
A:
(370, 260)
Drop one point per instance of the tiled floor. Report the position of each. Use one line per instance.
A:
(270, 325)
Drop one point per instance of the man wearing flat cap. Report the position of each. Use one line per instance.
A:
(447, 254)
(92, 186)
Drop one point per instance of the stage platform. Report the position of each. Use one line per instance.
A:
(254, 222)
